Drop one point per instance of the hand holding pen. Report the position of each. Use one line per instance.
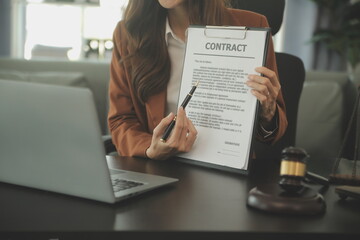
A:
(182, 137)
(183, 105)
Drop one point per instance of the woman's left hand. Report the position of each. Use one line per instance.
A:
(266, 89)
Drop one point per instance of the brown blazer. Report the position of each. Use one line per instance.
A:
(131, 123)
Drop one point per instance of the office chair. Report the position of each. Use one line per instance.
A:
(291, 75)
(110, 148)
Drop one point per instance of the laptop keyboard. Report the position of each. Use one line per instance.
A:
(123, 184)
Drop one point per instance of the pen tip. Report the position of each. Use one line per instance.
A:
(197, 83)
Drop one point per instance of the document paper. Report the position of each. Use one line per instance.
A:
(222, 108)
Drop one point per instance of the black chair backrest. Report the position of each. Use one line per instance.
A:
(291, 75)
(272, 9)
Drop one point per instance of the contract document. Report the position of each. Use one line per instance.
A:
(222, 109)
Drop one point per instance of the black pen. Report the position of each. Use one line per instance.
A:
(184, 103)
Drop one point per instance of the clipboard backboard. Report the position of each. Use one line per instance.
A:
(222, 109)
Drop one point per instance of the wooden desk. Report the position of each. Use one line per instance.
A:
(206, 203)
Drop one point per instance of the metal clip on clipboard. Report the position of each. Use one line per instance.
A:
(245, 29)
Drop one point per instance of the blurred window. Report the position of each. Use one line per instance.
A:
(72, 29)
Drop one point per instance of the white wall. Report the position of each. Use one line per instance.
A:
(297, 28)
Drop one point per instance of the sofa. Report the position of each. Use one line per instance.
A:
(94, 75)
(325, 105)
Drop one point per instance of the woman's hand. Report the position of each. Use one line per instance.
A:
(180, 140)
(266, 89)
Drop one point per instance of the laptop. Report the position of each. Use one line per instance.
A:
(50, 139)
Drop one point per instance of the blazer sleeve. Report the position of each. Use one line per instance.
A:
(129, 134)
(281, 109)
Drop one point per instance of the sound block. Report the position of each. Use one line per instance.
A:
(272, 198)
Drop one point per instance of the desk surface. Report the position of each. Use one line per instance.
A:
(204, 200)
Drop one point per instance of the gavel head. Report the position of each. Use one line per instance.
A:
(292, 169)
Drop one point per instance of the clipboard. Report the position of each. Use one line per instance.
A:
(222, 109)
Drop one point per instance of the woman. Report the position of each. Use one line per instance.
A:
(146, 67)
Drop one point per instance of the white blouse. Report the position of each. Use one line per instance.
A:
(176, 49)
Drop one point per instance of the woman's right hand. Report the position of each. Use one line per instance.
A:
(180, 140)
